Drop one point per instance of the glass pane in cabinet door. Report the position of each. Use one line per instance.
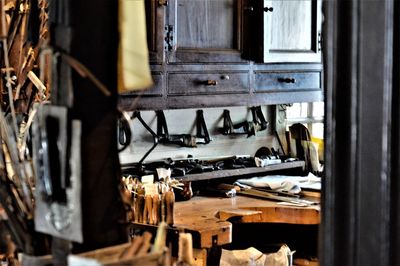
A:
(290, 24)
(206, 24)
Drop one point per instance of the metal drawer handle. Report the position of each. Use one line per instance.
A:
(211, 82)
(268, 9)
(287, 80)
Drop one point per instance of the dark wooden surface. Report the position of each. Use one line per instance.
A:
(155, 20)
(205, 31)
(360, 222)
(206, 24)
(203, 47)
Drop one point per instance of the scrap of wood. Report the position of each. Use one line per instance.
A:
(245, 216)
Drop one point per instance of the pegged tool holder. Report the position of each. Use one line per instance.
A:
(154, 209)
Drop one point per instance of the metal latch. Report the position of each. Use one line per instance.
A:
(319, 41)
(169, 37)
(162, 2)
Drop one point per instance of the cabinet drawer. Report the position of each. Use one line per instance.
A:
(157, 88)
(287, 81)
(207, 83)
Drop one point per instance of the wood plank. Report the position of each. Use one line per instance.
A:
(242, 171)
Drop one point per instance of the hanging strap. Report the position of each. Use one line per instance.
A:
(258, 118)
(202, 133)
(162, 128)
(185, 140)
(246, 127)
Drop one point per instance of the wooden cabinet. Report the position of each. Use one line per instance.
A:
(205, 31)
(207, 53)
(291, 30)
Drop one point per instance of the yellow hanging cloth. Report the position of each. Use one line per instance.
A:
(133, 59)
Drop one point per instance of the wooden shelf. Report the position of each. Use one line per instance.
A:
(241, 171)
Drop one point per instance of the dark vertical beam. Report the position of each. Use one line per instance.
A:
(358, 73)
(340, 66)
(374, 111)
(395, 203)
(94, 43)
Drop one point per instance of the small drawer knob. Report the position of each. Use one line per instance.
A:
(287, 80)
(268, 9)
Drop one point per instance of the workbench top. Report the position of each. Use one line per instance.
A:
(207, 217)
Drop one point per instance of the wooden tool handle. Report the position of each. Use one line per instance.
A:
(156, 209)
(185, 253)
(133, 248)
(169, 204)
(228, 187)
(139, 208)
(148, 210)
(163, 208)
(145, 244)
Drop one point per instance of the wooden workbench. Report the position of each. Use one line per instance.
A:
(207, 217)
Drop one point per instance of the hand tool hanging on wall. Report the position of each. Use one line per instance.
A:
(246, 127)
(258, 118)
(184, 140)
(202, 135)
(124, 131)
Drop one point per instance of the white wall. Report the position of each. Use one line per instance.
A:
(183, 122)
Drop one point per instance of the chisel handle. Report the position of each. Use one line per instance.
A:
(148, 210)
(156, 209)
(169, 206)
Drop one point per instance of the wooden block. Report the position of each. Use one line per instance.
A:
(200, 257)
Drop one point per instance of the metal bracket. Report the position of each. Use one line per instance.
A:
(319, 41)
(168, 39)
(163, 2)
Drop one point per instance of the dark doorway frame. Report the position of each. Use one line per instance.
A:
(360, 222)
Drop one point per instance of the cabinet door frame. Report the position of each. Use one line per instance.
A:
(155, 20)
(288, 56)
(207, 55)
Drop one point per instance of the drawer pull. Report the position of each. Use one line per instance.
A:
(268, 9)
(211, 82)
(287, 80)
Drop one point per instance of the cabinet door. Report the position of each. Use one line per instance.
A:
(201, 31)
(292, 31)
(155, 20)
